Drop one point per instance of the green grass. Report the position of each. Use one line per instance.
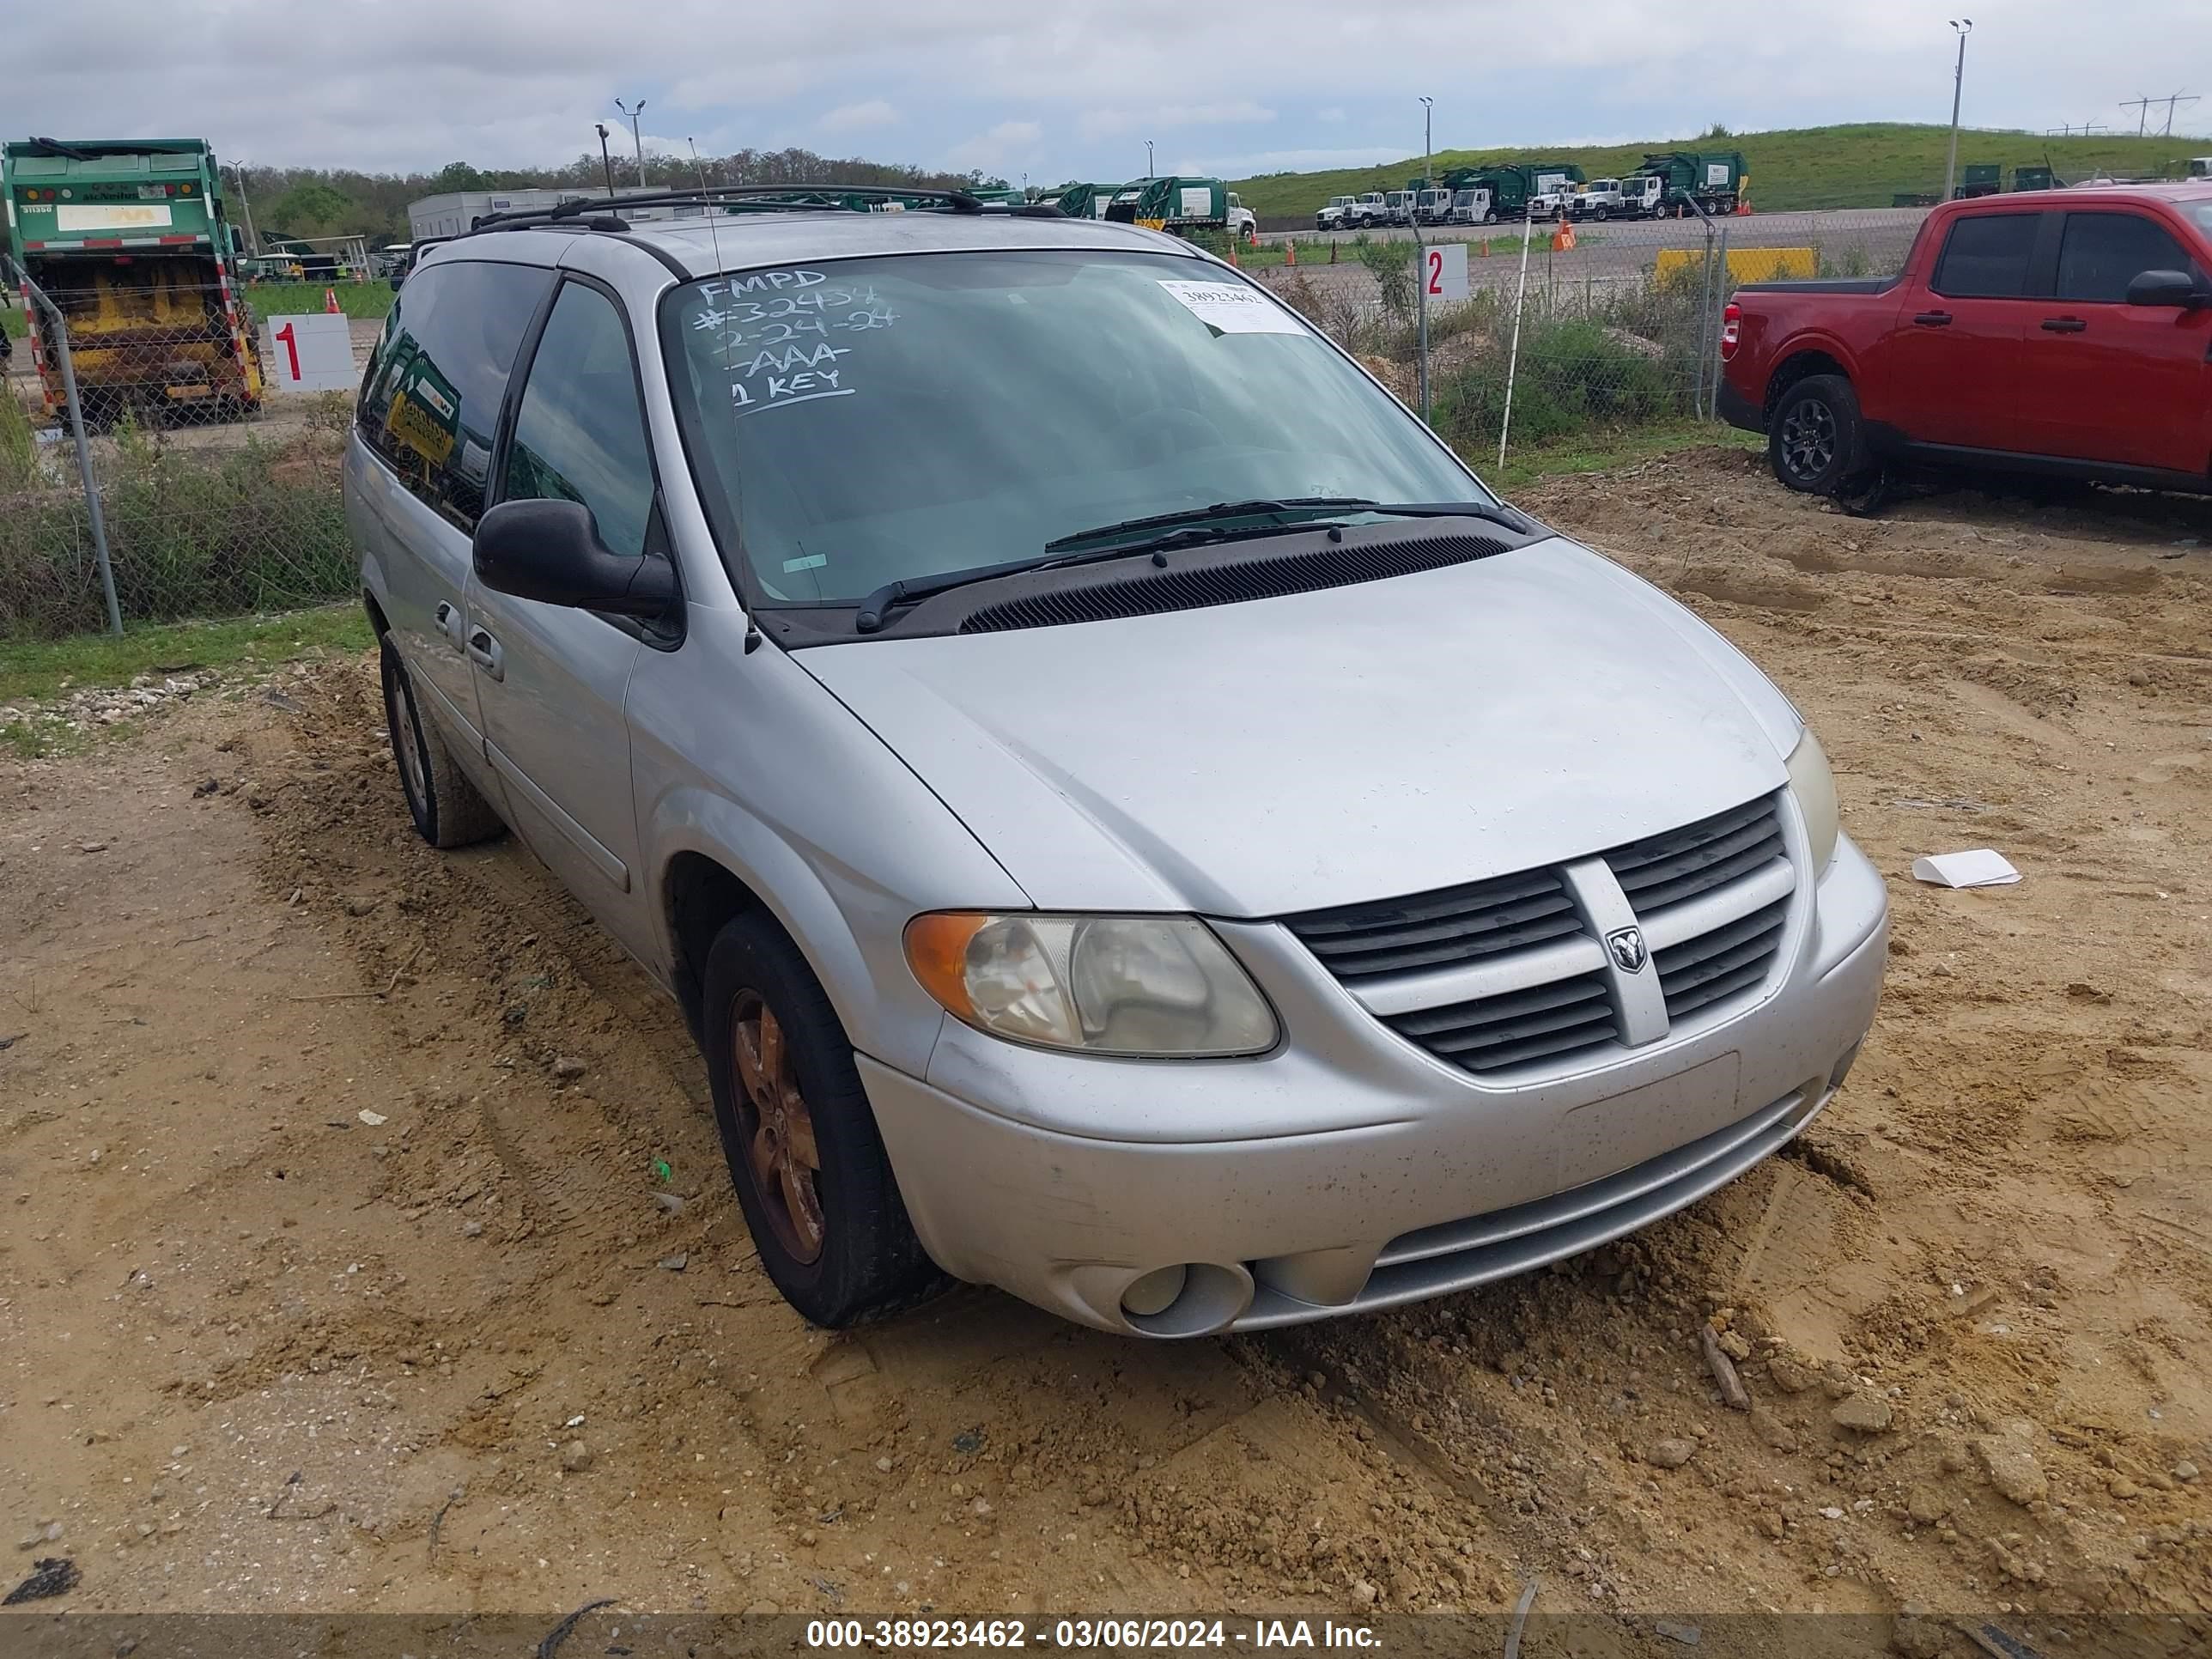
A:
(1857, 165)
(267, 299)
(35, 670)
(290, 299)
(1603, 452)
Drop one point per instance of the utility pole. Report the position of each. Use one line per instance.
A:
(605, 166)
(252, 242)
(1420, 258)
(2142, 106)
(636, 143)
(1965, 25)
(2178, 98)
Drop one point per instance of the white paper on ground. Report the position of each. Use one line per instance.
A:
(1979, 868)
(1234, 309)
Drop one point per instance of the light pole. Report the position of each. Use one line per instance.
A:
(636, 143)
(1148, 159)
(1421, 258)
(252, 242)
(1964, 27)
(605, 166)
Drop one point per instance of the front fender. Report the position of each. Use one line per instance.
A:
(746, 760)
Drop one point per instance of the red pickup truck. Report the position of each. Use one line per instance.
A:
(2065, 333)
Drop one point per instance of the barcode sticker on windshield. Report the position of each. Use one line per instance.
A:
(1233, 309)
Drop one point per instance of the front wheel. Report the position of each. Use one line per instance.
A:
(810, 1169)
(1814, 439)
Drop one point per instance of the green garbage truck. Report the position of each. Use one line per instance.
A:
(130, 238)
(1177, 204)
(1670, 182)
(1513, 185)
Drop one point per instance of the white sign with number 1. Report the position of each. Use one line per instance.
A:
(309, 353)
(1443, 267)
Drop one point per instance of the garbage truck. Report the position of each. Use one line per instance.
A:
(1180, 205)
(1513, 185)
(1714, 180)
(129, 238)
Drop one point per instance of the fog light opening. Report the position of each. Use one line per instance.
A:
(1155, 1292)
(1194, 1299)
(1843, 1066)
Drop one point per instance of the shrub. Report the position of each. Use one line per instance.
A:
(191, 531)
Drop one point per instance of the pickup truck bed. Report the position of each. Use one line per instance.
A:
(2063, 332)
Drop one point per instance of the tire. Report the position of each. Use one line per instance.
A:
(834, 1237)
(1815, 441)
(446, 808)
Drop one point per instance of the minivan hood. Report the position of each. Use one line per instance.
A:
(1319, 749)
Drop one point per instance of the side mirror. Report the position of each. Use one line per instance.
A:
(2167, 287)
(550, 551)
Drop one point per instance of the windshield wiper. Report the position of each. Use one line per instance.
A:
(1200, 515)
(1184, 529)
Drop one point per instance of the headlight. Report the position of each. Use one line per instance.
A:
(1814, 785)
(1110, 985)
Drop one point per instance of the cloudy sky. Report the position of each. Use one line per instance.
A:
(1060, 90)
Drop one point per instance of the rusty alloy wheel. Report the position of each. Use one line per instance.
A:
(777, 1128)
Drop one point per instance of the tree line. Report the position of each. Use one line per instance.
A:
(319, 201)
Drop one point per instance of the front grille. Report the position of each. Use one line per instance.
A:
(1434, 930)
(1716, 966)
(1516, 1028)
(1663, 870)
(1505, 973)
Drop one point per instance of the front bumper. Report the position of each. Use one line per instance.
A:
(1353, 1170)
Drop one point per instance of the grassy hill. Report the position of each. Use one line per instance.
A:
(1861, 165)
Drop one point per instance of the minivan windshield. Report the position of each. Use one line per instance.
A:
(860, 421)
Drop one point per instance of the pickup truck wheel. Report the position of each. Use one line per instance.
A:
(446, 808)
(1813, 439)
(810, 1171)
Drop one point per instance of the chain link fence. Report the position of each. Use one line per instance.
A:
(216, 492)
(144, 428)
(1618, 321)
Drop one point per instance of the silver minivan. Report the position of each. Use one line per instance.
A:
(1129, 818)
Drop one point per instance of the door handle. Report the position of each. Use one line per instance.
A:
(2063, 326)
(449, 621)
(483, 651)
(1933, 318)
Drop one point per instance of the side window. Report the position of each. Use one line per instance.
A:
(432, 401)
(580, 429)
(1986, 256)
(2101, 253)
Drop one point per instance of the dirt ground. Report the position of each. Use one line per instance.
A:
(366, 1243)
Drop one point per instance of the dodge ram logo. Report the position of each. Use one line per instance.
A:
(1626, 945)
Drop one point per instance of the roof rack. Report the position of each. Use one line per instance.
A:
(600, 213)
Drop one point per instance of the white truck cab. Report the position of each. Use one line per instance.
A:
(1243, 223)
(1336, 215)
(1598, 199)
(1472, 207)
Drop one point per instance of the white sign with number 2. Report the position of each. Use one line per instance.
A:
(1444, 268)
(313, 352)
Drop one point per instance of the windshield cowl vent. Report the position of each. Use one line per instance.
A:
(1267, 577)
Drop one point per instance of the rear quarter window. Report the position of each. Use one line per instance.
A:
(431, 404)
(1986, 256)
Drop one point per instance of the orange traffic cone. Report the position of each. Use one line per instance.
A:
(1290, 254)
(331, 300)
